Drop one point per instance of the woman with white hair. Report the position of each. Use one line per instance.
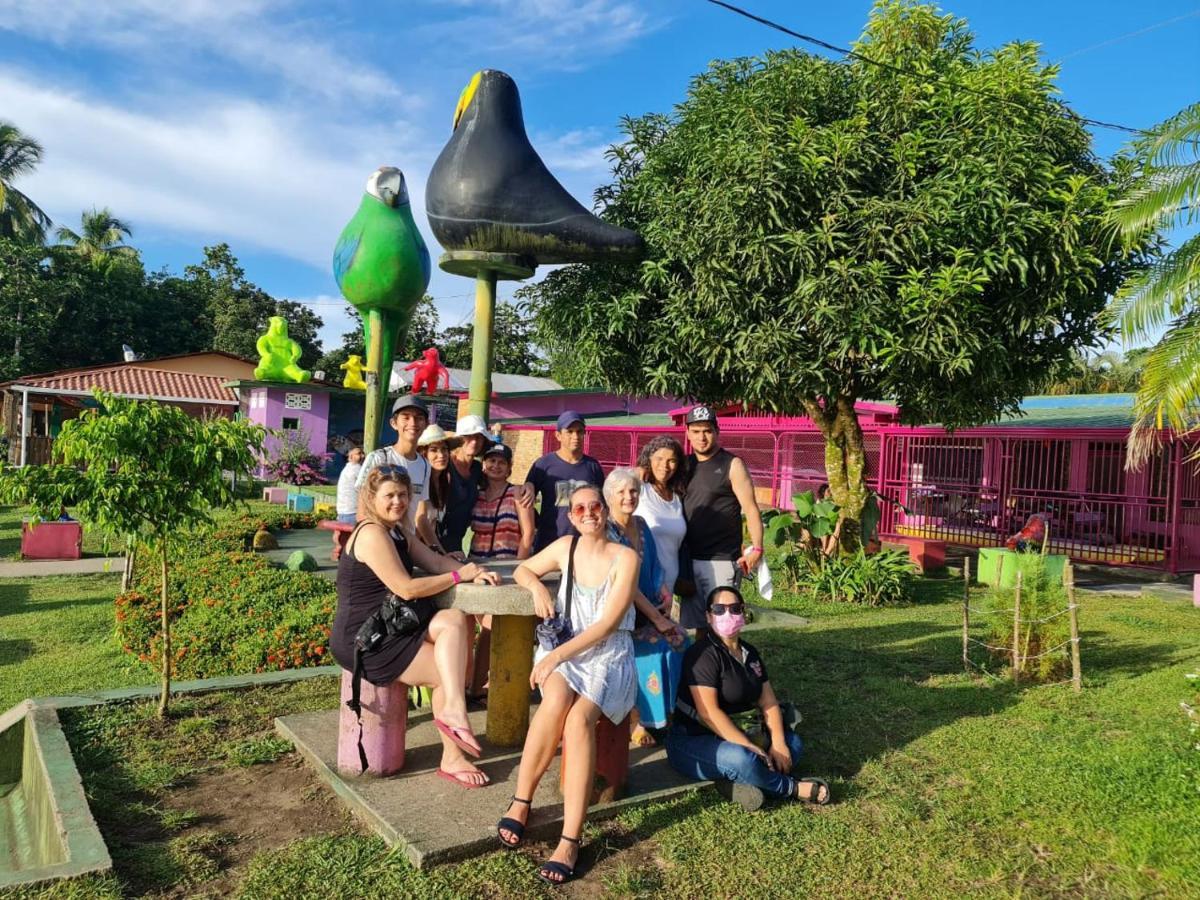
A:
(657, 641)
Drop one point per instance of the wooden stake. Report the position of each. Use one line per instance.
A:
(1073, 615)
(1016, 640)
(966, 609)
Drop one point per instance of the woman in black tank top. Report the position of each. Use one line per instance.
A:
(379, 560)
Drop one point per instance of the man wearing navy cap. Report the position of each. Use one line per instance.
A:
(556, 475)
(719, 493)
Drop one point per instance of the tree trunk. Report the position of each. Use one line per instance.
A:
(165, 696)
(130, 560)
(845, 464)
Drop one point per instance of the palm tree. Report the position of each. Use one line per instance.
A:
(1107, 372)
(20, 218)
(100, 239)
(1165, 195)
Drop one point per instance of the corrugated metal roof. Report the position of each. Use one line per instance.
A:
(1073, 411)
(460, 380)
(608, 420)
(137, 381)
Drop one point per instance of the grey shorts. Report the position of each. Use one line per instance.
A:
(707, 574)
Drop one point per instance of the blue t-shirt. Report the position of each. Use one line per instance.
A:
(553, 479)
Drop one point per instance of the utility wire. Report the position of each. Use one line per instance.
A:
(1065, 111)
(1140, 31)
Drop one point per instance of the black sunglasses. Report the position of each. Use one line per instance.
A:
(719, 609)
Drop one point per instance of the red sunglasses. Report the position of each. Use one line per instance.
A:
(592, 508)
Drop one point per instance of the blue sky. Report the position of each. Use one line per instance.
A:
(256, 122)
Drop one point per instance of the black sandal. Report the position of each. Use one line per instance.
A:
(517, 828)
(816, 793)
(565, 872)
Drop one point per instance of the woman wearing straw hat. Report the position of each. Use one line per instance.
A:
(436, 445)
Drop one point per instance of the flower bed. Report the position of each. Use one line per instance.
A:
(233, 612)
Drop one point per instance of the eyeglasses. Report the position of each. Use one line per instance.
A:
(593, 508)
(719, 609)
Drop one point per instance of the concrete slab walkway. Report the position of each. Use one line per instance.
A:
(433, 821)
(38, 568)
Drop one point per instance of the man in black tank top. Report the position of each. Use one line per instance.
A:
(719, 492)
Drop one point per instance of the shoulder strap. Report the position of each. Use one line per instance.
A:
(570, 578)
(350, 540)
(496, 519)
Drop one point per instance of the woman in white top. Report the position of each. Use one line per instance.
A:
(661, 466)
(589, 675)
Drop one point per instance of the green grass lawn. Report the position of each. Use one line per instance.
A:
(944, 784)
(10, 536)
(56, 636)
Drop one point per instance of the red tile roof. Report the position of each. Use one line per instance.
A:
(136, 381)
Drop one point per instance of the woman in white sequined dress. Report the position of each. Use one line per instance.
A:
(590, 675)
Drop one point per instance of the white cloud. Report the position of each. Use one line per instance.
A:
(254, 34)
(229, 169)
(550, 34)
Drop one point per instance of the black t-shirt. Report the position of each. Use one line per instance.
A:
(708, 663)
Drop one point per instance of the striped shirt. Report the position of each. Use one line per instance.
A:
(496, 530)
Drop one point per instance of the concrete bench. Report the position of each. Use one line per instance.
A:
(275, 495)
(300, 502)
(51, 540)
(925, 554)
(341, 534)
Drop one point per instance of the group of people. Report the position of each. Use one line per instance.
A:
(644, 554)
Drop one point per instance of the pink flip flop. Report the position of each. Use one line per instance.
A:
(453, 777)
(454, 735)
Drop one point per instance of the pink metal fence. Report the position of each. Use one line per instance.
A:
(975, 488)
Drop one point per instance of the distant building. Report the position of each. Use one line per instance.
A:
(35, 406)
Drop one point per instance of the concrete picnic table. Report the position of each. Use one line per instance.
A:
(513, 622)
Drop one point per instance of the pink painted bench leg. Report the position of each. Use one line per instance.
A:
(384, 719)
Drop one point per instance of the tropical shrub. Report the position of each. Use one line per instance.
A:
(1044, 620)
(292, 462)
(232, 613)
(795, 540)
(877, 579)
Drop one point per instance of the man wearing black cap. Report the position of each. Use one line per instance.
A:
(555, 475)
(719, 493)
(410, 416)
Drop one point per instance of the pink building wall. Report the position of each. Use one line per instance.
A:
(269, 406)
(548, 406)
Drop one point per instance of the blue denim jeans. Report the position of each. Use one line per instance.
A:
(708, 756)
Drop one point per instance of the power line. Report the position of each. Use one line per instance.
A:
(1066, 112)
(1121, 37)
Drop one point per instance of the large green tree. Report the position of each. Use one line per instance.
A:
(822, 232)
(238, 309)
(20, 218)
(513, 348)
(422, 333)
(1166, 196)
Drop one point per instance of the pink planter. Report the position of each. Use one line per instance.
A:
(384, 722)
(51, 540)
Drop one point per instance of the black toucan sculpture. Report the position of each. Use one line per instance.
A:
(489, 190)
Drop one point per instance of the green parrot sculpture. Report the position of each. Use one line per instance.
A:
(382, 267)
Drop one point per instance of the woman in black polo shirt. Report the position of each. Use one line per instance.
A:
(723, 676)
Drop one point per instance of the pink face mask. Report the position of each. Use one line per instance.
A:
(729, 624)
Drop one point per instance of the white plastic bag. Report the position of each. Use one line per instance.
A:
(766, 587)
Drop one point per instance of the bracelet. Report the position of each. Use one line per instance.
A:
(756, 549)
(457, 578)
